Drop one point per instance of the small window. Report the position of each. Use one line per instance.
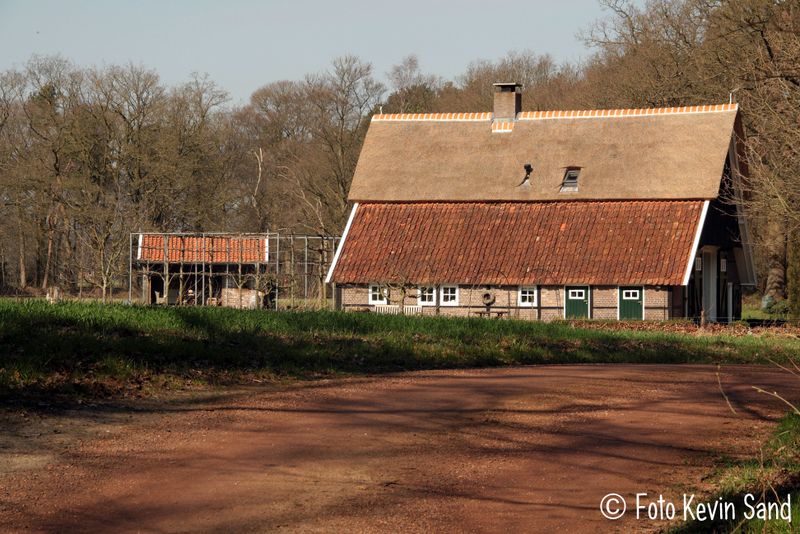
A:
(527, 296)
(698, 263)
(570, 183)
(630, 294)
(577, 294)
(723, 265)
(377, 294)
(448, 295)
(427, 296)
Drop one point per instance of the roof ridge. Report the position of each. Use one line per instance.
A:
(625, 112)
(519, 202)
(559, 114)
(473, 116)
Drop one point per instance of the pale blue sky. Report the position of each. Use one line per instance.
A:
(244, 44)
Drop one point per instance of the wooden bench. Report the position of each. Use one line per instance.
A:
(394, 309)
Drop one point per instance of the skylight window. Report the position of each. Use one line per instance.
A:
(570, 183)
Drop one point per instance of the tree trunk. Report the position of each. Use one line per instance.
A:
(793, 274)
(775, 288)
(48, 258)
(23, 275)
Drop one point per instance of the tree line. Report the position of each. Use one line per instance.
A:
(88, 155)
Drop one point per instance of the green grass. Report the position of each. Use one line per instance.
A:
(75, 347)
(756, 313)
(751, 310)
(775, 473)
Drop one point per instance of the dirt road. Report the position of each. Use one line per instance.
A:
(529, 449)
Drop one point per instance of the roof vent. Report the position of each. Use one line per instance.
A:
(528, 170)
(507, 100)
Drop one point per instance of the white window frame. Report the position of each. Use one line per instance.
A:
(625, 293)
(442, 301)
(377, 288)
(432, 293)
(535, 294)
(571, 291)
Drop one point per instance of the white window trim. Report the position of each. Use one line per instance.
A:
(419, 297)
(625, 293)
(535, 301)
(377, 302)
(643, 289)
(441, 295)
(570, 291)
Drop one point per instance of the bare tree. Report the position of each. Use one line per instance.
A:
(412, 91)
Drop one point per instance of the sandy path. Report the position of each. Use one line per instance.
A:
(528, 449)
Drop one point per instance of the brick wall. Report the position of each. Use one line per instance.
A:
(354, 297)
(507, 104)
(657, 303)
(604, 302)
(550, 304)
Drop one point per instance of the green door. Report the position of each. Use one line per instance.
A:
(577, 302)
(631, 303)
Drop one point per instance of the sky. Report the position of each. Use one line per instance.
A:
(243, 44)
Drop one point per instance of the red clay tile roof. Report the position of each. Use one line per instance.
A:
(628, 242)
(197, 249)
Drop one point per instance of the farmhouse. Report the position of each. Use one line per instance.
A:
(605, 214)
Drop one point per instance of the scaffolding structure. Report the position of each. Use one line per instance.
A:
(243, 270)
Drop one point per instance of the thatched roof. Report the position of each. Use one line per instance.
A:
(669, 153)
(613, 242)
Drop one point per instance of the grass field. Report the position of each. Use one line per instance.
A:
(751, 310)
(91, 349)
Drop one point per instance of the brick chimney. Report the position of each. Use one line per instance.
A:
(507, 100)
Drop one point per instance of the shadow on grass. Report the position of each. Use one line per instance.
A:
(95, 350)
